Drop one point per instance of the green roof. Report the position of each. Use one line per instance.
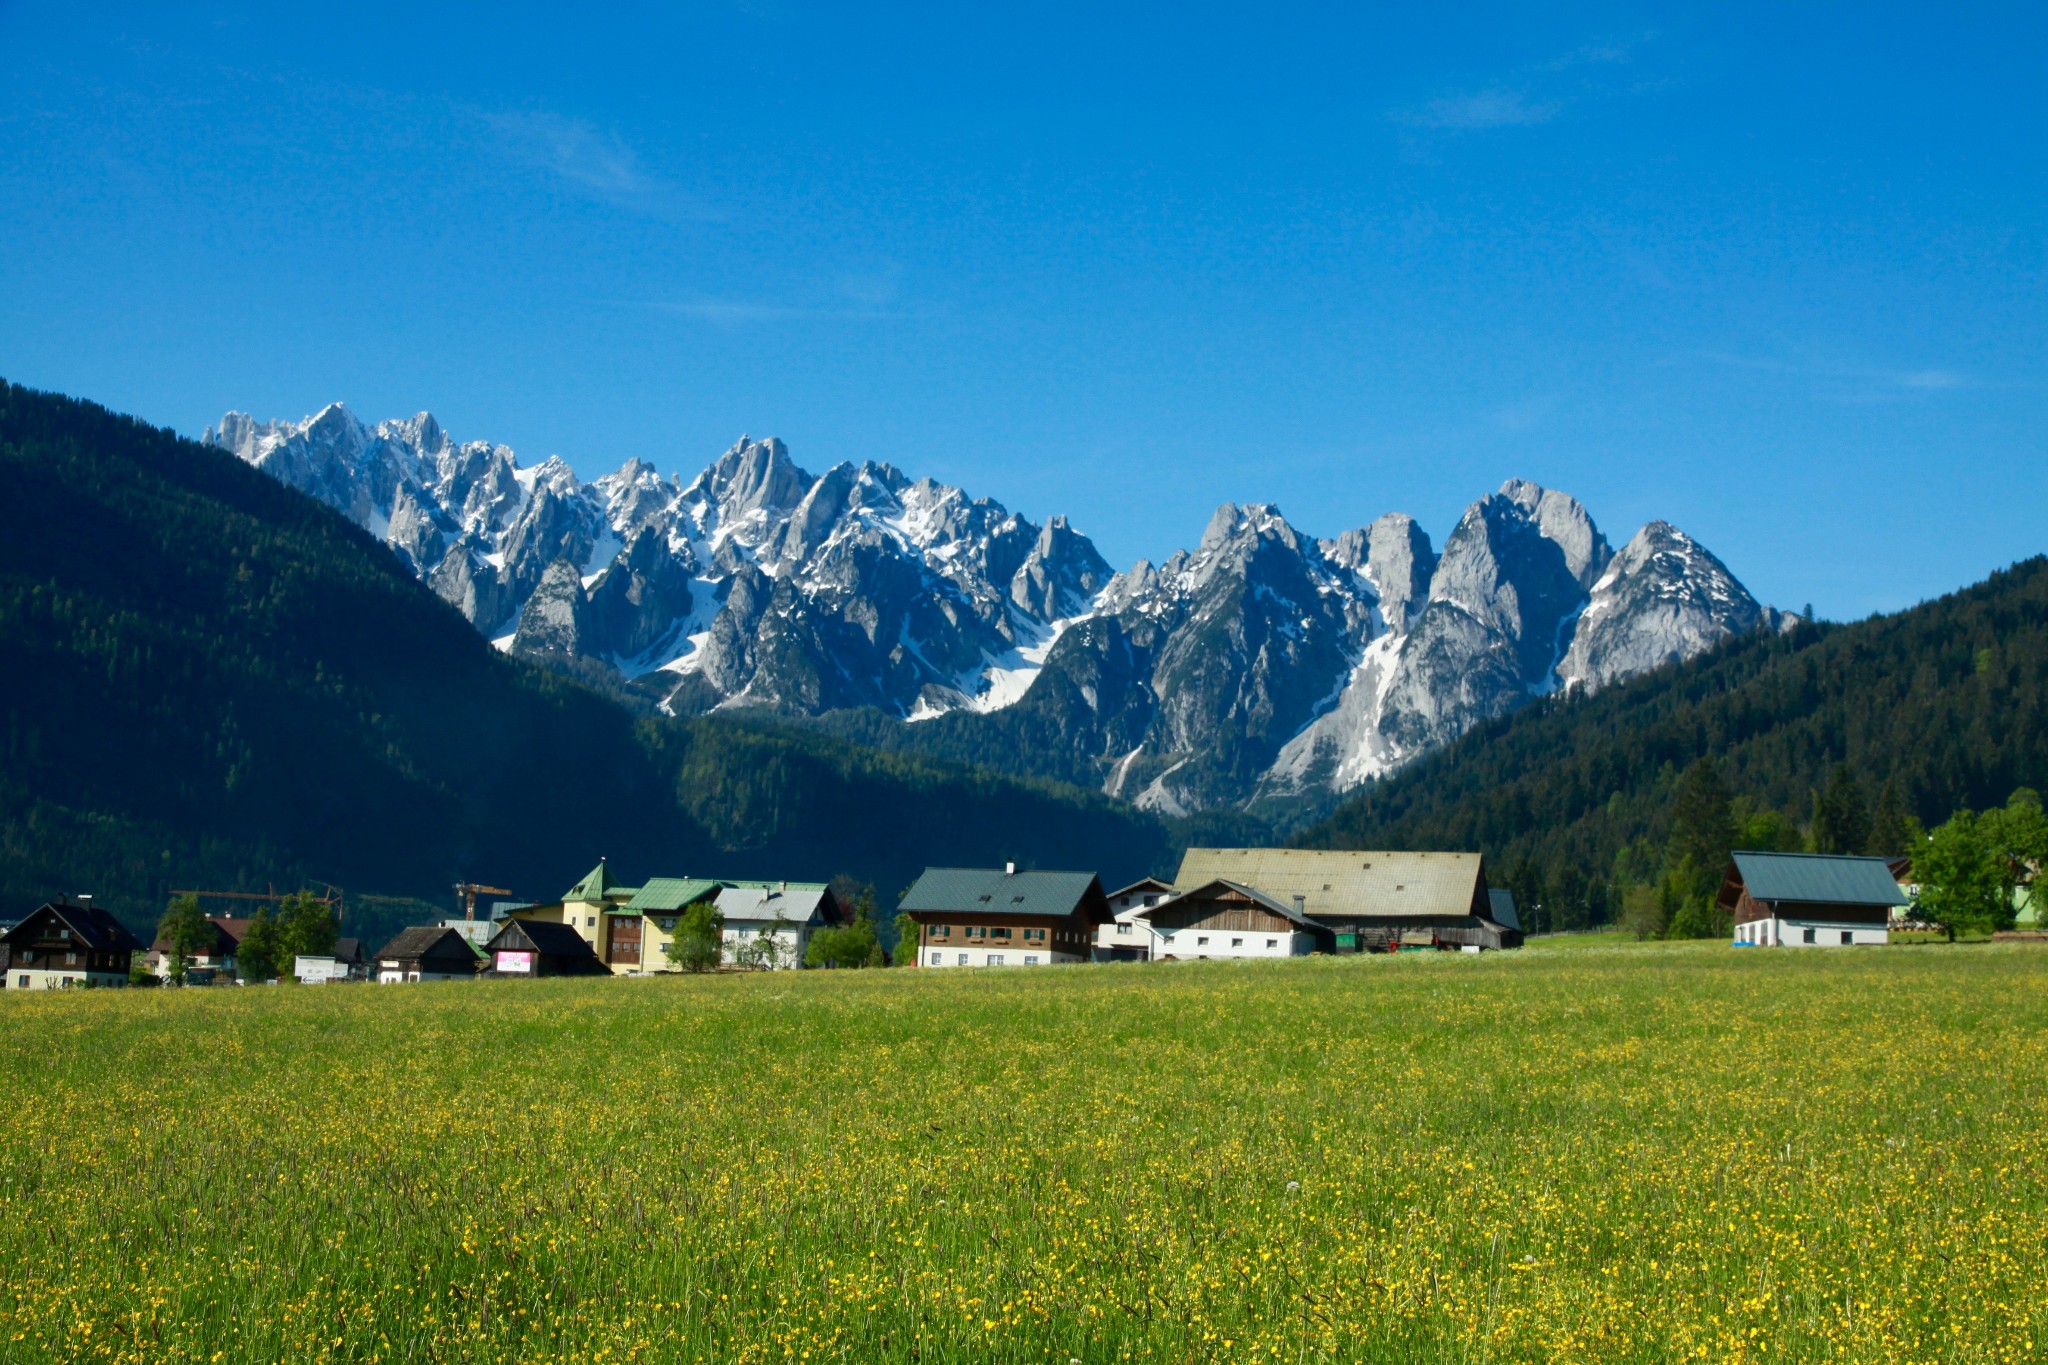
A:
(669, 893)
(1818, 878)
(595, 886)
(974, 890)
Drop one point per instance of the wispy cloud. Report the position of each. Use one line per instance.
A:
(592, 161)
(1841, 382)
(1485, 109)
(1527, 96)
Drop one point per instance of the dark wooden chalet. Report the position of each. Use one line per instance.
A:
(427, 952)
(66, 944)
(528, 948)
(1000, 917)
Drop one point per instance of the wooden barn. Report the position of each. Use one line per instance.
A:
(1000, 917)
(1370, 901)
(1809, 900)
(1227, 919)
(526, 948)
(427, 952)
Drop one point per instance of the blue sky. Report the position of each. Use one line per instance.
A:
(1777, 274)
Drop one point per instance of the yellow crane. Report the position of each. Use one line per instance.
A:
(469, 891)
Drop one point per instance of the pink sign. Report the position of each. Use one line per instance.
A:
(509, 961)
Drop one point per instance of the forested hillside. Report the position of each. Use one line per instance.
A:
(213, 680)
(1947, 703)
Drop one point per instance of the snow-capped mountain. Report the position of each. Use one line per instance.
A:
(1261, 665)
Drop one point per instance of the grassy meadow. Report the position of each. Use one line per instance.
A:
(1600, 1152)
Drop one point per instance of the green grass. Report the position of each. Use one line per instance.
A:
(1626, 1153)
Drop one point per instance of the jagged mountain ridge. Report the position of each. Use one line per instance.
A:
(1262, 666)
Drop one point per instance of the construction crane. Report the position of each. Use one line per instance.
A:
(469, 891)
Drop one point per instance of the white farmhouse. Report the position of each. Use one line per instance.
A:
(1809, 900)
(1226, 919)
(1127, 937)
(769, 924)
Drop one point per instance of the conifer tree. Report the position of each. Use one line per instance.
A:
(1841, 819)
(1889, 835)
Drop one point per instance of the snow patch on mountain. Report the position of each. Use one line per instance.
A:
(1263, 665)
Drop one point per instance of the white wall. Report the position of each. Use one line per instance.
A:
(1189, 943)
(792, 940)
(57, 978)
(1137, 933)
(1791, 933)
(1012, 956)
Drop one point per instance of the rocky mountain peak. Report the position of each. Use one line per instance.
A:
(1261, 665)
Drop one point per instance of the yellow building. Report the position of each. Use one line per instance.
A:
(628, 927)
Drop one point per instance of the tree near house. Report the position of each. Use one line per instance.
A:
(699, 941)
(1973, 867)
(1702, 833)
(853, 944)
(186, 930)
(256, 956)
(305, 927)
(906, 940)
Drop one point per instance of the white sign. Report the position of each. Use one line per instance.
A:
(314, 970)
(509, 961)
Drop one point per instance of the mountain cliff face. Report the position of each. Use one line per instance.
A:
(1262, 666)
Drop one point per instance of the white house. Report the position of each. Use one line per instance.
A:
(1809, 900)
(1127, 937)
(769, 924)
(1225, 919)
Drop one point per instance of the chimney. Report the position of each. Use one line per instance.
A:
(1301, 906)
(1009, 869)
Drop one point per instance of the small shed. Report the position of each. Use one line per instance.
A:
(1809, 900)
(526, 948)
(426, 952)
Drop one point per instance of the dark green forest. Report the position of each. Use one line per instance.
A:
(212, 680)
(1911, 716)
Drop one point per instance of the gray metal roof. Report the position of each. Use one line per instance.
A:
(798, 903)
(1345, 883)
(1504, 913)
(991, 891)
(1819, 878)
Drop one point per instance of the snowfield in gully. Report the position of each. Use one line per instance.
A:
(1629, 1153)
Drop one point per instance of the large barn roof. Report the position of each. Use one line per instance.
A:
(1346, 883)
(1818, 878)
